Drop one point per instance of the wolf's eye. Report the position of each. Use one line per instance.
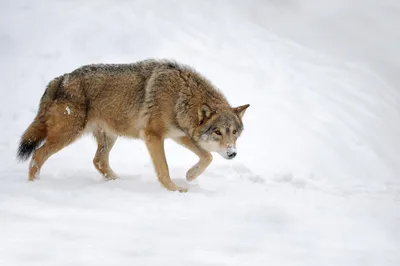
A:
(234, 131)
(218, 132)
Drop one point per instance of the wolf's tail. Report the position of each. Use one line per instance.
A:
(36, 133)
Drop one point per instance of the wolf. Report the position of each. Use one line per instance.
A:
(152, 100)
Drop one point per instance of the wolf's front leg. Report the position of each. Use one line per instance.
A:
(155, 145)
(205, 158)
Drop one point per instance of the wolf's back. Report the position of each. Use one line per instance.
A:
(36, 133)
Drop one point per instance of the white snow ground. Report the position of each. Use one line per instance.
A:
(316, 178)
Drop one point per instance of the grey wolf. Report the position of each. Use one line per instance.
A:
(152, 100)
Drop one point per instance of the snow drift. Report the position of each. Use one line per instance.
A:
(316, 177)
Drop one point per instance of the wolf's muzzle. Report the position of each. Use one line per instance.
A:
(232, 155)
(231, 152)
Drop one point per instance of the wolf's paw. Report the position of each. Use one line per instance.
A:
(199, 167)
(177, 188)
(110, 176)
(182, 189)
(193, 173)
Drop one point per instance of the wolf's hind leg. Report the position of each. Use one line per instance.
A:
(205, 158)
(105, 142)
(64, 125)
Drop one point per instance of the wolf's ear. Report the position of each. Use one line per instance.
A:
(204, 113)
(240, 110)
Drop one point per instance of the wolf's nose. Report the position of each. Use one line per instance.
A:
(232, 155)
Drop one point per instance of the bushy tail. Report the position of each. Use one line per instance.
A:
(31, 139)
(36, 133)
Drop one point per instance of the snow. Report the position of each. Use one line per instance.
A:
(315, 181)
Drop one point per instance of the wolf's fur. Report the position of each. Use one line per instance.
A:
(151, 99)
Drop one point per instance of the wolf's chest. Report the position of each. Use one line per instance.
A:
(174, 132)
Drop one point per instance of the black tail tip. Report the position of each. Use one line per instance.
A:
(26, 149)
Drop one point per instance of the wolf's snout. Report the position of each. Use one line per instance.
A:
(232, 155)
(231, 152)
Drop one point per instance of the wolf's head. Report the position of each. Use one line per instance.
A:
(219, 130)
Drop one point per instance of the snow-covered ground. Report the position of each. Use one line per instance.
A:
(316, 179)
